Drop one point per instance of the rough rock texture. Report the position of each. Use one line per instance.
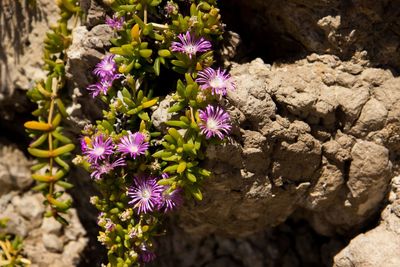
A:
(318, 136)
(381, 245)
(46, 242)
(291, 244)
(22, 29)
(287, 28)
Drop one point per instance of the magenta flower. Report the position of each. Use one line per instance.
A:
(100, 149)
(83, 144)
(170, 200)
(218, 80)
(133, 144)
(146, 255)
(145, 194)
(99, 88)
(214, 122)
(105, 168)
(106, 68)
(115, 22)
(190, 45)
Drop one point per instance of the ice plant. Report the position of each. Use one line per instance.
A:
(214, 122)
(146, 255)
(156, 39)
(106, 68)
(105, 168)
(145, 194)
(99, 149)
(190, 45)
(100, 87)
(115, 22)
(133, 144)
(170, 199)
(219, 81)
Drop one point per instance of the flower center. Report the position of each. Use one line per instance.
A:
(190, 49)
(133, 148)
(217, 82)
(212, 124)
(108, 67)
(98, 151)
(146, 193)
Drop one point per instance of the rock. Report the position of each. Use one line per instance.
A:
(52, 243)
(297, 27)
(51, 226)
(31, 207)
(21, 45)
(300, 146)
(379, 246)
(14, 170)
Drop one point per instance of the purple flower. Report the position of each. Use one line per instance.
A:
(133, 144)
(145, 194)
(99, 88)
(190, 45)
(146, 255)
(170, 199)
(215, 122)
(100, 148)
(218, 80)
(106, 68)
(83, 144)
(115, 22)
(105, 168)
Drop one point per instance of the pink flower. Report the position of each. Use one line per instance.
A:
(218, 80)
(105, 168)
(190, 45)
(145, 194)
(133, 144)
(100, 149)
(214, 122)
(106, 67)
(170, 199)
(115, 22)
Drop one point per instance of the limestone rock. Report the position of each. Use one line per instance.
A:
(301, 145)
(379, 246)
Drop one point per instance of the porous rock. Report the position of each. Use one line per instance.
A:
(379, 246)
(301, 145)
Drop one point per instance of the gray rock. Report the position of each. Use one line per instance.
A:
(51, 226)
(14, 170)
(379, 246)
(52, 243)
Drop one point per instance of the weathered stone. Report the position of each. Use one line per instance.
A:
(52, 243)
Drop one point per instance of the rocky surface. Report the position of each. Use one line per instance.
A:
(379, 246)
(294, 28)
(318, 136)
(46, 241)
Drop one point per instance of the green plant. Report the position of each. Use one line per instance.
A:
(11, 249)
(142, 173)
(50, 146)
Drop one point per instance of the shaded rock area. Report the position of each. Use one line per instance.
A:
(379, 246)
(46, 241)
(314, 151)
(294, 28)
(316, 136)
